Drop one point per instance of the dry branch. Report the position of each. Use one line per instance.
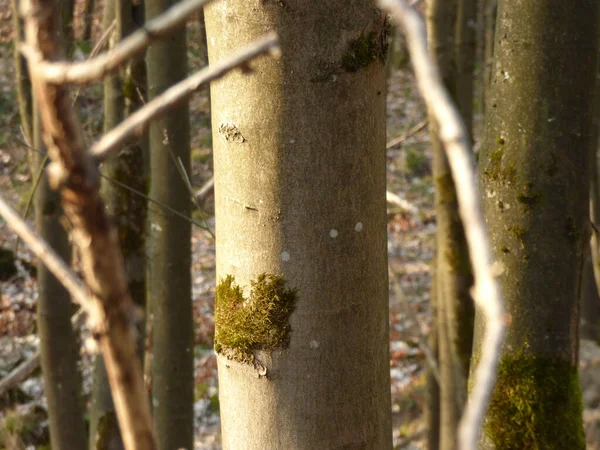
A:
(96, 68)
(73, 171)
(135, 124)
(456, 144)
(48, 256)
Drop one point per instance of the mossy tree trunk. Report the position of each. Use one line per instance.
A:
(59, 347)
(123, 93)
(169, 249)
(534, 184)
(448, 37)
(300, 191)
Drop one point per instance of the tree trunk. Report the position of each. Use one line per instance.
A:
(491, 12)
(121, 97)
(590, 304)
(453, 273)
(169, 253)
(465, 49)
(300, 196)
(23, 82)
(432, 411)
(88, 20)
(534, 183)
(59, 349)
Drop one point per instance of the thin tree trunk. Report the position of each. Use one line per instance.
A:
(122, 96)
(23, 82)
(287, 140)
(88, 20)
(465, 50)
(491, 13)
(590, 303)
(169, 252)
(535, 188)
(432, 412)
(453, 274)
(59, 349)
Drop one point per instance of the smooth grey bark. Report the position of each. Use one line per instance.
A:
(169, 249)
(299, 152)
(122, 93)
(59, 348)
(533, 176)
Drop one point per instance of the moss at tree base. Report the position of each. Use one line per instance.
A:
(536, 405)
(260, 321)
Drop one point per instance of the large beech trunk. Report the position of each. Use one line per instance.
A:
(299, 148)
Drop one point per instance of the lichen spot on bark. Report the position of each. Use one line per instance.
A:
(536, 405)
(258, 322)
(231, 133)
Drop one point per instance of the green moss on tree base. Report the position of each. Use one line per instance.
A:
(260, 321)
(536, 405)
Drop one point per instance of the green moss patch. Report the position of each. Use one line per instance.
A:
(536, 405)
(260, 321)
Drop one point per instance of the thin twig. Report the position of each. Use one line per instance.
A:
(95, 69)
(135, 192)
(135, 124)
(99, 46)
(27, 367)
(47, 255)
(456, 144)
(404, 136)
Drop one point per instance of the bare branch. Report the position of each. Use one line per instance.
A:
(404, 136)
(135, 124)
(73, 171)
(26, 368)
(456, 143)
(95, 69)
(47, 255)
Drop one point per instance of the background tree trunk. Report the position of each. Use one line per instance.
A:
(453, 271)
(122, 94)
(59, 349)
(169, 253)
(465, 50)
(432, 411)
(491, 11)
(288, 139)
(23, 82)
(534, 183)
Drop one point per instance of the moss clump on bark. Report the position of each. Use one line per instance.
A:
(519, 233)
(361, 52)
(536, 405)
(260, 321)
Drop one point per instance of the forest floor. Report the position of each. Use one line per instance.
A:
(411, 231)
